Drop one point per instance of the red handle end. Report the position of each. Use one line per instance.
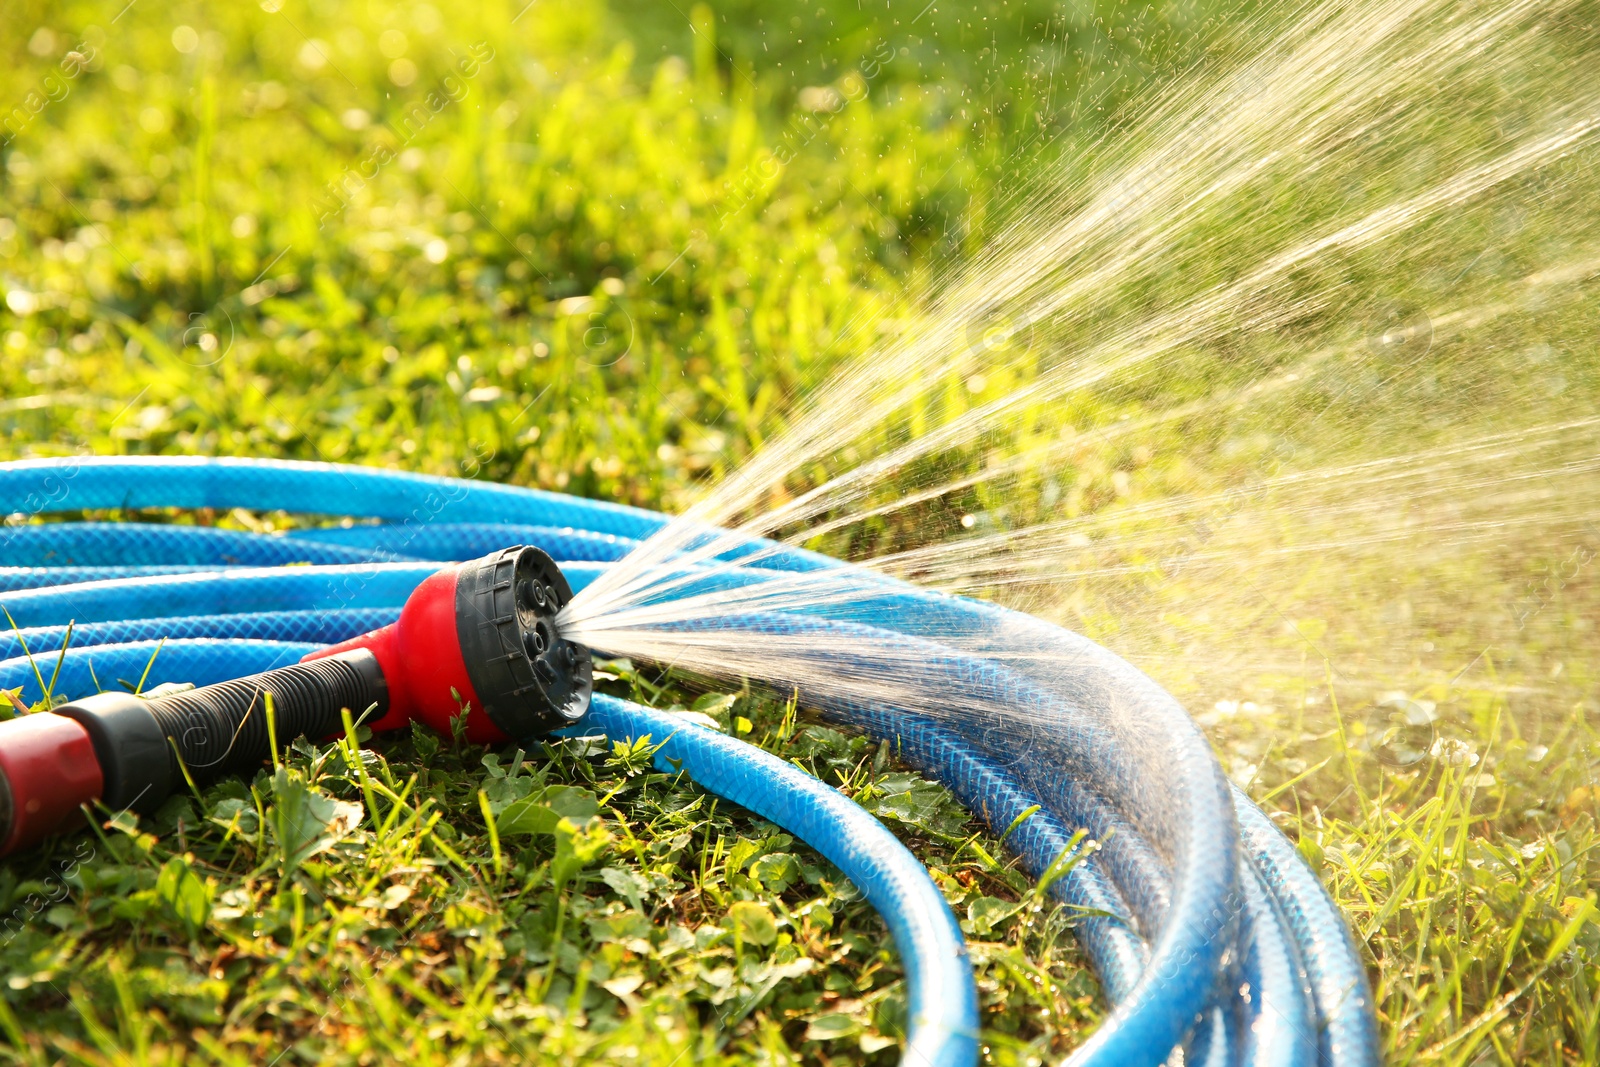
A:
(48, 770)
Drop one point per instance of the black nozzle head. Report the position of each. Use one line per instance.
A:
(529, 678)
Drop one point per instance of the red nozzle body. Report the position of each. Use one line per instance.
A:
(421, 660)
(47, 771)
(480, 638)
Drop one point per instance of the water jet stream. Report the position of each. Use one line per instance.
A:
(1233, 237)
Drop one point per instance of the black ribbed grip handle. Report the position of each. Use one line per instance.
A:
(222, 729)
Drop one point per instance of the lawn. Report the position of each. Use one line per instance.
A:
(610, 251)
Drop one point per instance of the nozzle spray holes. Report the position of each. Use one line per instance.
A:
(538, 640)
(535, 596)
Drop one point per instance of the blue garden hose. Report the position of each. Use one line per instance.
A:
(1207, 930)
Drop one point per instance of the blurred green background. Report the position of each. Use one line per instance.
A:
(257, 228)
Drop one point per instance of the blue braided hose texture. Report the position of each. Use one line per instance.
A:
(1204, 924)
(317, 627)
(100, 544)
(941, 1007)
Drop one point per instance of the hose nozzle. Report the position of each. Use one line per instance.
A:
(478, 639)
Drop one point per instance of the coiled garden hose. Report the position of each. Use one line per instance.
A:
(1209, 933)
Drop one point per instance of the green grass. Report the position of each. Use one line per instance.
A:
(235, 233)
(654, 923)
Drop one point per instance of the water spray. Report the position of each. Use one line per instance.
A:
(1209, 933)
